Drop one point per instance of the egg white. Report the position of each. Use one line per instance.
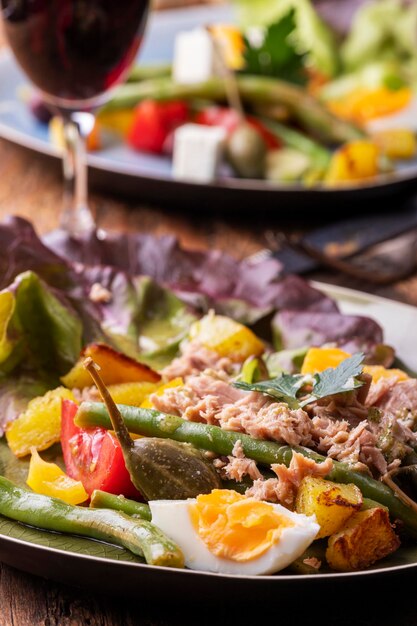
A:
(173, 518)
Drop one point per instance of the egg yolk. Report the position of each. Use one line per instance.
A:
(235, 527)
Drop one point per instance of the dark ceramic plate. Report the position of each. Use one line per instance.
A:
(116, 168)
(105, 568)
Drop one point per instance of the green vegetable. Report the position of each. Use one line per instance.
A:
(159, 469)
(331, 381)
(312, 35)
(286, 165)
(276, 55)
(285, 361)
(383, 30)
(319, 156)
(373, 75)
(103, 500)
(139, 536)
(37, 328)
(246, 151)
(207, 437)
(306, 110)
(144, 72)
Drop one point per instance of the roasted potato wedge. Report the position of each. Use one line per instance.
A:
(367, 537)
(115, 368)
(330, 502)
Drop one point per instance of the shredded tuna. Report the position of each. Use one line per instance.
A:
(378, 390)
(283, 489)
(261, 418)
(351, 411)
(194, 359)
(313, 562)
(208, 399)
(200, 400)
(401, 398)
(88, 394)
(239, 466)
(356, 446)
(395, 437)
(237, 469)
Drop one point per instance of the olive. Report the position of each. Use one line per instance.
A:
(246, 151)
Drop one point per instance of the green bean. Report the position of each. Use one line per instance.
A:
(146, 72)
(156, 424)
(139, 536)
(103, 500)
(319, 155)
(306, 109)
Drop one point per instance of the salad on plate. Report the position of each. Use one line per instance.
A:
(205, 413)
(289, 94)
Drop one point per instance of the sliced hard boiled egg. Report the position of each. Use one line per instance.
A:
(229, 533)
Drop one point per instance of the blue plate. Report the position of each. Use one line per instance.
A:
(118, 169)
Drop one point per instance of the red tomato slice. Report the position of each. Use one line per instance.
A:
(94, 456)
(153, 122)
(229, 119)
(218, 116)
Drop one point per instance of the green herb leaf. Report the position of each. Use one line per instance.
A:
(276, 54)
(283, 388)
(286, 388)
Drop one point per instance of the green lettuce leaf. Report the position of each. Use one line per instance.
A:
(38, 331)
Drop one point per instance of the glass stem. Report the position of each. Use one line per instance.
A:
(76, 216)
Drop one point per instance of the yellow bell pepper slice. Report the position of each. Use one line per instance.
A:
(119, 121)
(40, 425)
(378, 371)
(357, 160)
(396, 143)
(226, 337)
(231, 43)
(132, 394)
(50, 480)
(319, 359)
(363, 105)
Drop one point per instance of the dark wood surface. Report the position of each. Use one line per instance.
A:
(31, 187)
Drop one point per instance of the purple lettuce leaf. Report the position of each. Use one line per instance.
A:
(296, 329)
(152, 281)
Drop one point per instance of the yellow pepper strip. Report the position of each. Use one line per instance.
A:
(357, 160)
(40, 424)
(378, 371)
(119, 121)
(226, 337)
(319, 359)
(132, 394)
(396, 143)
(49, 480)
(176, 382)
(363, 105)
(231, 43)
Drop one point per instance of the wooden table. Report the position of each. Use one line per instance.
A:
(30, 186)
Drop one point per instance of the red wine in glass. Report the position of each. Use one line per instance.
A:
(75, 51)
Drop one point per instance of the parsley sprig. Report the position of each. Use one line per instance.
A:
(276, 54)
(288, 388)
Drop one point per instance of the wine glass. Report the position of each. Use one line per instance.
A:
(75, 52)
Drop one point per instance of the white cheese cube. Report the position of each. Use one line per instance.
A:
(194, 57)
(198, 150)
